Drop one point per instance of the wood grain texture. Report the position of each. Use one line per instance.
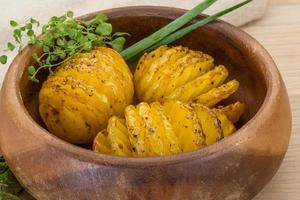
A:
(279, 32)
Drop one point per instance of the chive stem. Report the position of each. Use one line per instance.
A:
(179, 34)
(165, 31)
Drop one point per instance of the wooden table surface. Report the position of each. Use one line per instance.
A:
(279, 32)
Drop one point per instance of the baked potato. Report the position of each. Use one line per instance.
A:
(178, 73)
(84, 92)
(163, 129)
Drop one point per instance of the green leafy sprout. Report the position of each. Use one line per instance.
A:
(10, 189)
(62, 38)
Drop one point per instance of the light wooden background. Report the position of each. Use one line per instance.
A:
(279, 32)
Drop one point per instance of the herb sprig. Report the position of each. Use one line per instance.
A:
(63, 37)
(9, 186)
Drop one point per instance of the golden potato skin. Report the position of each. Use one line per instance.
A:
(83, 93)
(137, 131)
(216, 95)
(210, 124)
(101, 143)
(179, 73)
(200, 85)
(172, 145)
(163, 129)
(185, 124)
(233, 111)
(118, 137)
(226, 125)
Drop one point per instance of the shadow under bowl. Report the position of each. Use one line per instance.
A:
(237, 167)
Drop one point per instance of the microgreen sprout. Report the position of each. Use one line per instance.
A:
(63, 36)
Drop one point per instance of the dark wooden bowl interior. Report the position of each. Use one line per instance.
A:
(210, 39)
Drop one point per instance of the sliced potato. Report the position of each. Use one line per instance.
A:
(233, 111)
(227, 126)
(145, 62)
(200, 63)
(86, 91)
(172, 75)
(178, 73)
(154, 132)
(137, 131)
(55, 88)
(157, 130)
(200, 85)
(215, 95)
(156, 68)
(185, 124)
(118, 137)
(210, 124)
(101, 85)
(101, 143)
(116, 61)
(170, 141)
(74, 122)
(164, 74)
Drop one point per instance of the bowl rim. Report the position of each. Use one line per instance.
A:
(270, 75)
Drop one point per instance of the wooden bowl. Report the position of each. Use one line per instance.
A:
(237, 167)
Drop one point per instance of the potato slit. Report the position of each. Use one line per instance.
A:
(200, 85)
(216, 95)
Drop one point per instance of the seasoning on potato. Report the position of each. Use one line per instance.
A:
(164, 129)
(178, 73)
(83, 93)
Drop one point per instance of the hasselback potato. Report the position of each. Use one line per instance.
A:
(164, 129)
(178, 73)
(84, 92)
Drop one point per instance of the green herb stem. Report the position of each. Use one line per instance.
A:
(8, 196)
(165, 31)
(63, 36)
(179, 34)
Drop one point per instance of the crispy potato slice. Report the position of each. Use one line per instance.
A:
(101, 143)
(165, 73)
(116, 61)
(111, 75)
(169, 57)
(77, 90)
(227, 126)
(181, 71)
(233, 111)
(170, 140)
(101, 85)
(200, 85)
(118, 137)
(215, 95)
(166, 68)
(210, 124)
(189, 72)
(104, 66)
(185, 124)
(137, 131)
(154, 132)
(145, 62)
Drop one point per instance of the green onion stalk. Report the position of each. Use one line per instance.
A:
(145, 43)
